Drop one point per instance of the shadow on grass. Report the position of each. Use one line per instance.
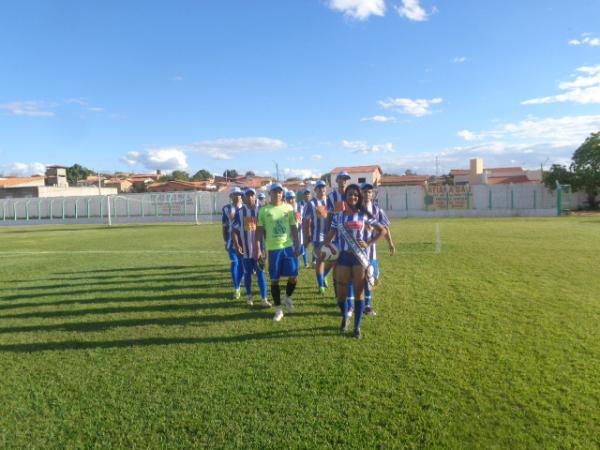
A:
(148, 342)
(85, 327)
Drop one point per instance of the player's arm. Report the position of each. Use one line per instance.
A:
(306, 223)
(258, 238)
(225, 222)
(380, 232)
(383, 219)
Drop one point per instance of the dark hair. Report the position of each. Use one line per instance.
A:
(360, 205)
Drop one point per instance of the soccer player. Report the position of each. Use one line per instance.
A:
(278, 221)
(244, 225)
(336, 204)
(380, 216)
(354, 219)
(306, 198)
(290, 199)
(237, 267)
(315, 226)
(260, 199)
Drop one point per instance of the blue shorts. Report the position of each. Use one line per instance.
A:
(282, 263)
(347, 259)
(375, 265)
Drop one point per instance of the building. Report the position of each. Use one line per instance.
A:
(477, 174)
(360, 174)
(122, 185)
(56, 176)
(180, 185)
(404, 180)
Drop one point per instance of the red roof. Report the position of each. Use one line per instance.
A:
(357, 169)
(399, 180)
(515, 170)
(509, 180)
(18, 180)
(459, 172)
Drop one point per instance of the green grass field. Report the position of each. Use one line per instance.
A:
(128, 338)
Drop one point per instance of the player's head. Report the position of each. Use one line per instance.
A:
(367, 191)
(235, 194)
(276, 193)
(261, 197)
(250, 197)
(320, 188)
(353, 195)
(342, 180)
(290, 197)
(306, 195)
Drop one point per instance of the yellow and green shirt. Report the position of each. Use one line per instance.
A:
(276, 221)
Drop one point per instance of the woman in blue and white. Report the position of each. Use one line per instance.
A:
(244, 226)
(355, 219)
(380, 216)
(227, 216)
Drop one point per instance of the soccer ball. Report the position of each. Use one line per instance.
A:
(330, 252)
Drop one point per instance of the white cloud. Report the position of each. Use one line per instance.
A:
(316, 157)
(379, 119)
(418, 107)
(177, 78)
(585, 89)
(459, 59)
(358, 9)
(299, 173)
(227, 148)
(587, 40)
(563, 131)
(412, 10)
(167, 159)
(26, 108)
(364, 148)
(469, 135)
(19, 169)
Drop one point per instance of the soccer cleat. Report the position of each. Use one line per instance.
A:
(325, 283)
(249, 301)
(237, 294)
(289, 304)
(264, 302)
(344, 325)
(358, 334)
(369, 311)
(322, 290)
(350, 312)
(278, 314)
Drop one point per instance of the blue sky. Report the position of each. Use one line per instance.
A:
(309, 84)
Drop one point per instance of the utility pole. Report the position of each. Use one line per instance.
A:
(276, 170)
(437, 166)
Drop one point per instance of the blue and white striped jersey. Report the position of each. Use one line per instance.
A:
(379, 215)
(316, 210)
(356, 224)
(245, 223)
(229, 211)
(335, 202)
(299, 214)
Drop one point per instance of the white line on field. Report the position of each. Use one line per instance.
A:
(438, 239)
(94, 252)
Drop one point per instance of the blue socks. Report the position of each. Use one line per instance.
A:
(358, 313)
(261, 279)
(237, 273)
(320, 280)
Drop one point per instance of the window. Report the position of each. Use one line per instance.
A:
(362, 180)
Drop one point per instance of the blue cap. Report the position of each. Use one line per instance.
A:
(275, 186)
(320, 183)
(235, 191)
(249, 191)
(306, 191)
(261, 195)
(343, 174)
(365, 186)
(290, 195)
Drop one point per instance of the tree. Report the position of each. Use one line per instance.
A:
(250, 174)
(294, 179)
(584, 172)
(409, 172)
(326, 178)
(230, 173)
(586, 166)
(390, 174)
(77, 172)
(180, 175)
(202, 175)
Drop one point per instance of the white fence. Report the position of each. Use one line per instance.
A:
(499, 200)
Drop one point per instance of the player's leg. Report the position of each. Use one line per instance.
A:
(358, 280)
(261, 280)
(275, 263)
(369, 311)
(248, 269)
(343, 274)
(237, 271)
(290, 270)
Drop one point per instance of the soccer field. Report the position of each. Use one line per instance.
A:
(488, 336)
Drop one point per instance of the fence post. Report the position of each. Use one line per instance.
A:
(490, 199)
(51, 209)
(39, 208)
(127, 206)
(101, 203)
(15, 209)
(87, 207)
(3, 211)
(63, 209)
(406, 199)
(447, 199)
(108, 210)
(558, 199)
(27, 210)
(512, 198)
(76, 209)
(196, 207)
(534, 199)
